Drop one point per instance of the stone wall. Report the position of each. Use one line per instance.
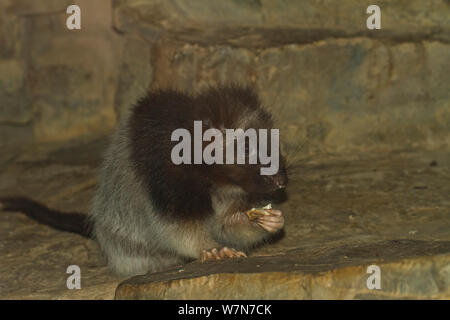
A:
(56, 84)
(332, 83)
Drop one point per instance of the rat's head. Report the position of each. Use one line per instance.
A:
(256, 163)
(250, 179)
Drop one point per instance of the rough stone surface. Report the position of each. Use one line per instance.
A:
(336, 95)
(14, 105)
(340, 212)
(82, 105)
(136, 74)
(267, 23)
(409, 269)
(33, 7)
(55, 83)
(72, 74)
(10, 32)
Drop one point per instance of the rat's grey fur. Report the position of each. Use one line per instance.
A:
(137, 240)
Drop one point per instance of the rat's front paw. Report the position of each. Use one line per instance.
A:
(223, 253)
(271, 222)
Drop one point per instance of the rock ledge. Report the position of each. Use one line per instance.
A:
(409, 270)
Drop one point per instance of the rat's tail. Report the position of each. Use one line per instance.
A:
(72, 222)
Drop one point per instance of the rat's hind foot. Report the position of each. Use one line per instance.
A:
(224, 253)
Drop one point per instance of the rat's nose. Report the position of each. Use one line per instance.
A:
(280, 180)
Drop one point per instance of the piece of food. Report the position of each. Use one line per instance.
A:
(254, 213)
